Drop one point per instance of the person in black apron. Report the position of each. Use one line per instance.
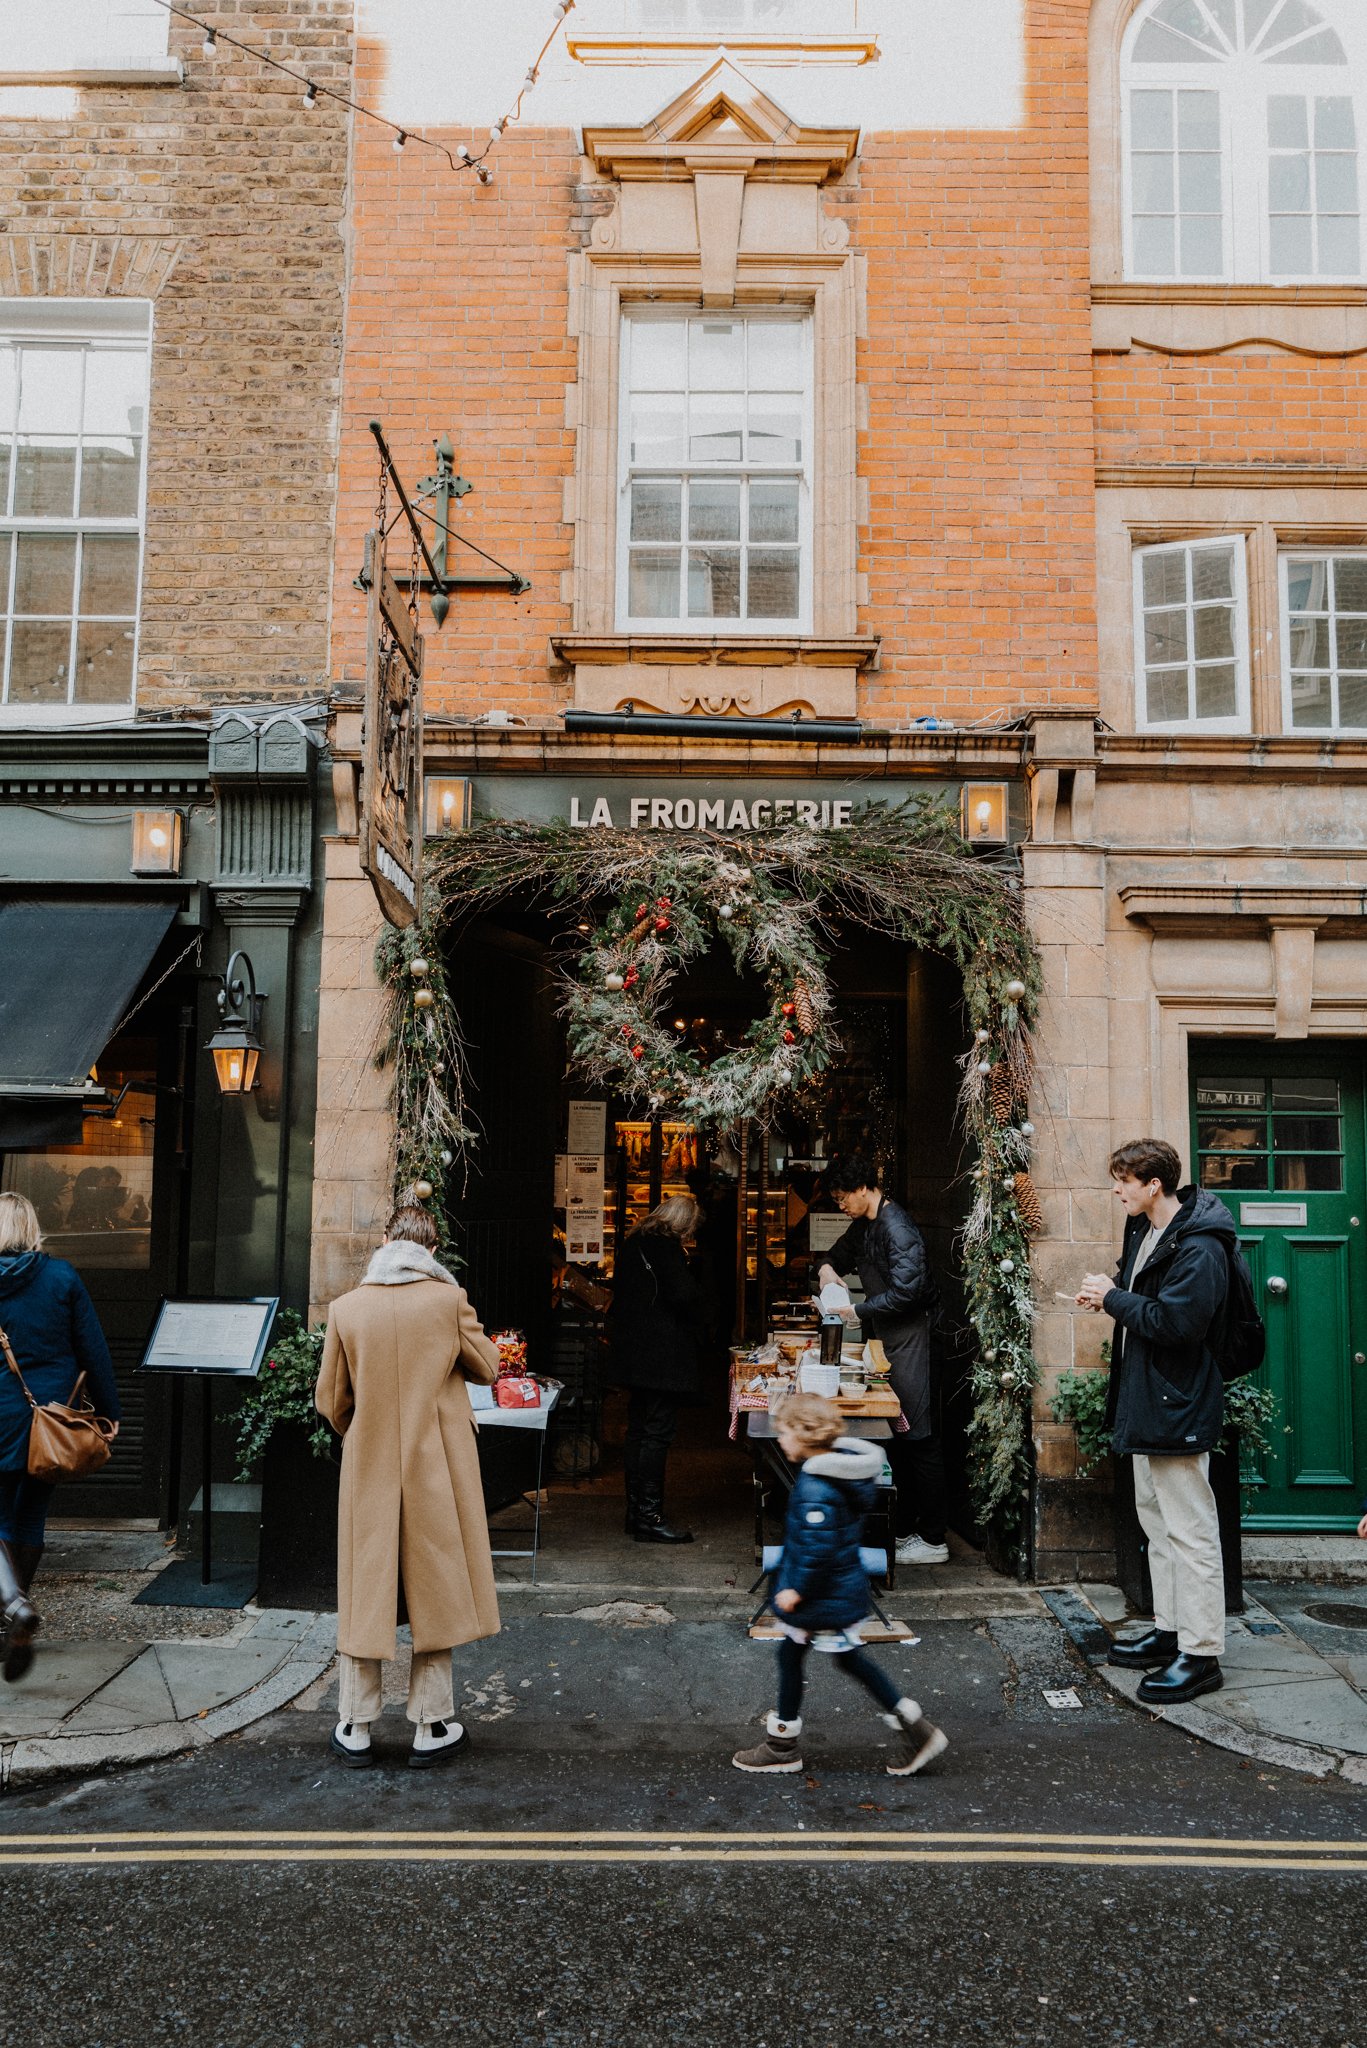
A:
(888, 1252)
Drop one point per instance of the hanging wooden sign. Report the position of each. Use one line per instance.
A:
(391, 746)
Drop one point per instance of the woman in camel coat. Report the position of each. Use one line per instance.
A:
(411, 1520)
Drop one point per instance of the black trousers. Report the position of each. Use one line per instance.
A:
(918, 1471)
(856, 1664)
(652, 1419)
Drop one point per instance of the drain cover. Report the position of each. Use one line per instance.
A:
(1337, 1614)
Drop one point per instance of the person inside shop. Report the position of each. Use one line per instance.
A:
(411, 1524)
(888, 1252)
(658, 1325)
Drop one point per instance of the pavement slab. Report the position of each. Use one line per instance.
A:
(137, 1697)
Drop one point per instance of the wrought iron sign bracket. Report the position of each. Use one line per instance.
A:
(442, 488)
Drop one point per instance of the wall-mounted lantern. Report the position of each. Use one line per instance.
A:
(235, 1045)
(156, 842)
(446, 804)
(984, 813)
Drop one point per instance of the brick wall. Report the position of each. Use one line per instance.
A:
(1245, 407)
(223, 200)
(977, 369)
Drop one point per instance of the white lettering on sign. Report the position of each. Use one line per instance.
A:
(714, 814)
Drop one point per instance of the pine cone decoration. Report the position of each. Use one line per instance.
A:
(1028, 1205)
(805, 1007)
(1001, 1093)
(638, 931)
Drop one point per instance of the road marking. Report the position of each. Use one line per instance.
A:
(211, 1845)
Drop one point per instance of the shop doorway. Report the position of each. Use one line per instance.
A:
(1278, 1134)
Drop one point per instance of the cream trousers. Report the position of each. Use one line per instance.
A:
(1177, 1512)
(430, 1693)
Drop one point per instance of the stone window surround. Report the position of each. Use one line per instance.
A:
(1269, 518)
(1308, 319)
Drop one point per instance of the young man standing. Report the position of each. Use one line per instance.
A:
(1166, 1407)
(887, 1251)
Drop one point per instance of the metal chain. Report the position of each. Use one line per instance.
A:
(414, 573)
(195, 946)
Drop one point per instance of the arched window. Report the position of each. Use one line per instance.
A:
(1241, 142)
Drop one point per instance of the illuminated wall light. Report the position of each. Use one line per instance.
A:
(157, 839)
(446, 804)
(985, 813)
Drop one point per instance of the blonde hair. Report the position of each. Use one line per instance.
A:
(676, 1216)
(813, 1420)
(19, 1230)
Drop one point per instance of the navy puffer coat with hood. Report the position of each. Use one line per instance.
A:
(821, 1537)
(1166, 1395)
(55, 1335)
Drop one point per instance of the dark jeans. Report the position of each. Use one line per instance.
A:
(652, 1418)
(856, 1664)
(918, 1471)
(24, 1503)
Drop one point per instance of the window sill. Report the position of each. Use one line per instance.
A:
(684, 47)
(160, 71)
(678, 674)
(1203, 319)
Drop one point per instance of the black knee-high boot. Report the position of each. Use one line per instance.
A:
(27, 1558)
(19, 1618)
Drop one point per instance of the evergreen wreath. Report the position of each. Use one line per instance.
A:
(903, 871)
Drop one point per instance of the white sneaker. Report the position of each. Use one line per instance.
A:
(434, 1742)
(351, 1742)
(915, 1550)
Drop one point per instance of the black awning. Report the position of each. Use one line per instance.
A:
(69, 966)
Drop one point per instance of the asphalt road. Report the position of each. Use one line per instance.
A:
(595, 1872)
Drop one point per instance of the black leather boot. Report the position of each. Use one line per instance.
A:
(18, 1618)
(1151, 1651)
(633, 1510)
(1186, 1678)
(650, 1525)
(27, 1558)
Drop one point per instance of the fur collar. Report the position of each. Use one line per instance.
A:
(401, 1261)
(852, 1458)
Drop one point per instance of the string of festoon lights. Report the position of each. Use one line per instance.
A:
(463, 160)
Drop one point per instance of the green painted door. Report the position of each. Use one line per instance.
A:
(1278, 1135)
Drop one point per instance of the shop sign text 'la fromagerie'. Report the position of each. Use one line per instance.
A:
(710, 814)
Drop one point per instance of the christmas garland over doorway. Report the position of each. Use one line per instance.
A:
(775, 895)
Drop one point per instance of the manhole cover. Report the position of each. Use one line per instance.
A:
(1337, 1614)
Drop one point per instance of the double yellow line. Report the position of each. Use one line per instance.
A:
(820, 1846)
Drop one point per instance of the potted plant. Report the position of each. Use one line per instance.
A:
(281, 1434)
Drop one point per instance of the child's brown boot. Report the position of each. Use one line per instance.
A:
(779, 1750)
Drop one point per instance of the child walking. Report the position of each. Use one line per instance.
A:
(821, 1593)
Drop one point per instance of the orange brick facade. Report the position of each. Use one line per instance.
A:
(1251, 407)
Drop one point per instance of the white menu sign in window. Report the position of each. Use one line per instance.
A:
(228, 1337)
(588, 1123)
(584, 1233)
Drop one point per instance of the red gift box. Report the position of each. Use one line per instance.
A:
(512, 1391)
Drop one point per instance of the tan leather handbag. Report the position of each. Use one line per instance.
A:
(66, 1440)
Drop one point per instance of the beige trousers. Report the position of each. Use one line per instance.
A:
(431, 1695)
(1177, 1512)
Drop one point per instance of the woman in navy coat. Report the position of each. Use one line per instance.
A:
(55, 1336)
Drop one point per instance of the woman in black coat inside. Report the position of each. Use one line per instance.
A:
(658, 1325)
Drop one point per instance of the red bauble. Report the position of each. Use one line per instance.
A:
(665, 902)
(626, 1031)
(790, 1038)
(643, 910)
(637, 1052)
(631, 977)
(789, 1008)
(662, 924)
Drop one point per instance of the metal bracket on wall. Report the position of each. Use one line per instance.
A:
(443, 488)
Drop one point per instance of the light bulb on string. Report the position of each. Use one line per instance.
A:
(463, 153)
(311, 94)
(400, 139)
(210, 44)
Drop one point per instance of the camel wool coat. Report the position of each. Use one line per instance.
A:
(397, 1356)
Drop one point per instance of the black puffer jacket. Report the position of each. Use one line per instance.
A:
(891, 1243)
(657, 1320)
(1166, 1396)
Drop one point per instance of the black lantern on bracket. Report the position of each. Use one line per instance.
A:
(235, 1045)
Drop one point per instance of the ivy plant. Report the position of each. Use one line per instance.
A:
(282, 1393)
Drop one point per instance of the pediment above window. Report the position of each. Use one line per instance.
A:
(722, 122)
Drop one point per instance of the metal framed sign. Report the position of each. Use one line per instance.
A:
(391, 746)
(226, 1339)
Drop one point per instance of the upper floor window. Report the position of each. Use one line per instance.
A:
(714, 518)
(1191, 636)
(87, 39)
(1241, 142)
(73, 425)
(1324, 640)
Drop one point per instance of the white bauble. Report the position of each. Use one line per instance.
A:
(1015, 989)
(614, 982)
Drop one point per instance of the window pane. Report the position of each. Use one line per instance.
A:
(1288, 122)
(715, 429)
(1154, 245)
(1352, 643)
(1336, 183)
(45, 580)
(39, 655)
(775, 427)
(773, 511)
(1199, 183)
(1350, 583)
(653, 585)
(1157, 45)
(1202, 242)
(1307, 586)
(1166, 695)
(1231, 1133)
(1289, 184)
(1165, 577)
(1334, 127)
(109, 574)
(1340, 251)
(777, 354)
(1152, 183)
(1311, 702)
(1353, 700)
(1306, 1133)
(716, 355)
(1198, 120)
(1165, 637)
(1217, 693)
(1306, 1092)
(44, 479)
(657, 355)
(657, 430)
(713, 510)
(115, 392)
(773, 583)
(1324, 48)
(1310, 643)
(1241, 1095)
(9, 387)
(1290, 246)
(656, 508)
(1214, 632)
(714, 583)
(104, 664)
(50, 391)
(1312, 1175)
(1212, 572)
(109, 479)
(1230, 1172)
(1151, 120)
